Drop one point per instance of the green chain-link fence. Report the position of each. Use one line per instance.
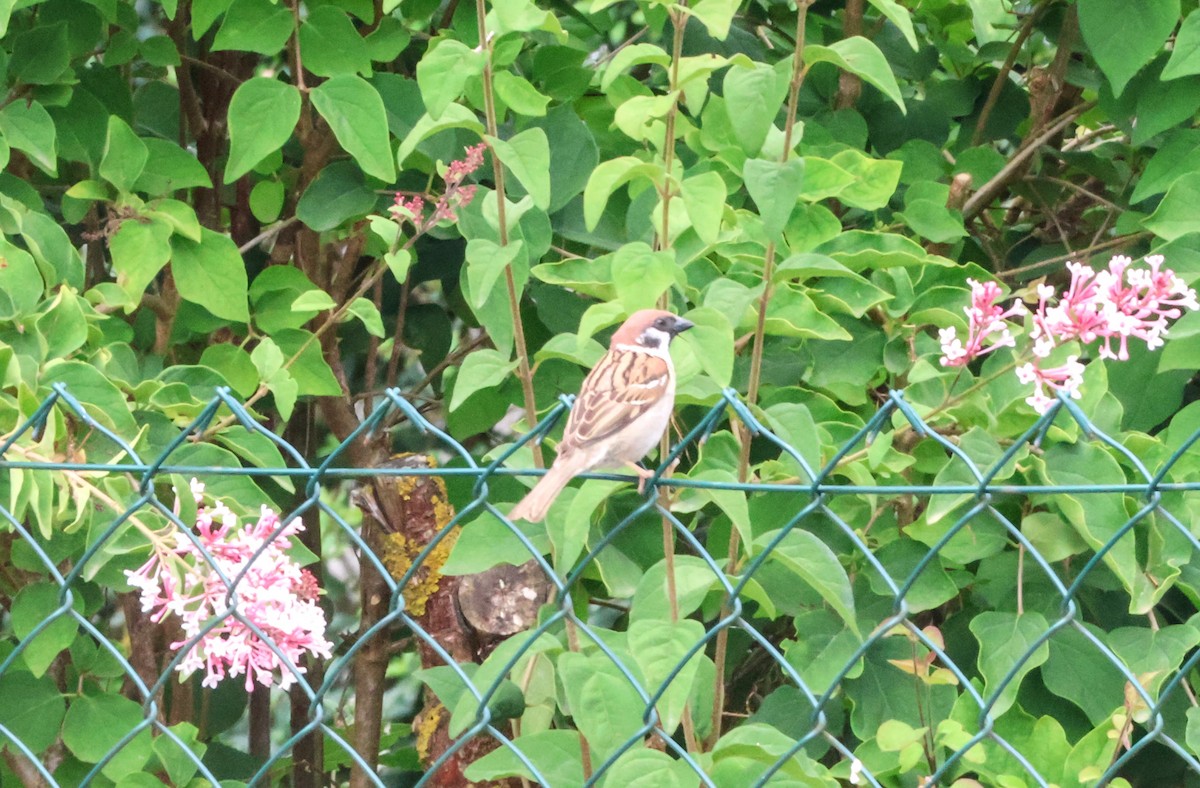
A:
(53, 704)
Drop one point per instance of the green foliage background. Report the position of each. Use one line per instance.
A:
(196, 193)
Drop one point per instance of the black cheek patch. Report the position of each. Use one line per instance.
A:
(649, 340)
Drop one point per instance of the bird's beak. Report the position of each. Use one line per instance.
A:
(681, 325)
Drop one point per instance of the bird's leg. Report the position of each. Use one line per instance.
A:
(643, 474)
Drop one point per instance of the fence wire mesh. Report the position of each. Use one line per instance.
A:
(86, 618)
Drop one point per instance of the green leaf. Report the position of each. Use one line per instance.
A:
(235, 364)
(641, 275)
(605, 706)
(1192, 733)
(338, 193)
(608, 177)
(486, 261)
(482, 369)
(1122, 49)
(629, 56)
(40, 56)
(204, 14)
(573, 154)
(711, 338)
(694, 579)
(169, 168)
(753, 95)
(1179, 155)
(284, 388)
(716, 15)
(310, 369)
(329, 44)
(899, 16)
(273, 292)
(815, 564)
(519, 95)
(33, 708)
(21, 284)
(861, 57)
(556, 754)
(1185, 56)
(354, 110)
(823, 650)
(262, 114)
(254, 25)
(926, 213)
(823, 178)
(368, 314)
(860, 250)
(792, 313)
(704, 199)
(160, 51)
(28, 127)
(1076, 671)
(313, 301)
(140, 249)
(456, 116)
(524, 16)
(1176, 214)
(52, 249)
(487, 541)
(645, 768)
(1153, 654)
(775, 188)
(90, 190)
(1006, 643)
(104, 401)
(179, 216)
(443, 73)
(34, 604)
(388, 40)
(266, 200)
(125, 155)
(1098, 518)
(640, 117)
(398, 262)
(211, 273)
(659, 646)
(94, 725)
(1162, 105)
(6, 9)
(527, 156)
(179, 765)
(63, 325)
(568, 531)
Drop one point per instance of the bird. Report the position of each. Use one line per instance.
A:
(622, 409)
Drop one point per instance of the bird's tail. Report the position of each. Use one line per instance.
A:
(536, 503)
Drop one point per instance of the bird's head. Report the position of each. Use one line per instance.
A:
(650, 328)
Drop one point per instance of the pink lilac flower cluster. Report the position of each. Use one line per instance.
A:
(457, 194)
(1107, 307)
(273, 593)
(985, 322)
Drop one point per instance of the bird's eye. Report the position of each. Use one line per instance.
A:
(660, 323)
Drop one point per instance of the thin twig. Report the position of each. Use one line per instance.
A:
(1123, 240)
(524, 370)
(756, 355)
(990, 190)
(267, 234)
(1002, 75)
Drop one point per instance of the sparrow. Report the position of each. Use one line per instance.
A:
(622, 409)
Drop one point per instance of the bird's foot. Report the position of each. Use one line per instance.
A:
(643, 474)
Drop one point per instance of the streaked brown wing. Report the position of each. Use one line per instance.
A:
(616, 392)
